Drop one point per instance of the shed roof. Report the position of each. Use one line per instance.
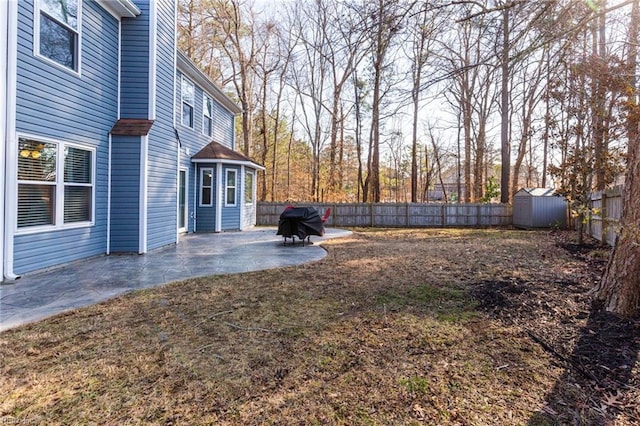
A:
(132, 127)
(217, 153)
(537, 192)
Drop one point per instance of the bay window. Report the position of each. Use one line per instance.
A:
(230, 199)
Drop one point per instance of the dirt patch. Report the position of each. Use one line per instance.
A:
(457, 327)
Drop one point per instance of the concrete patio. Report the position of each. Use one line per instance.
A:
(44, 294)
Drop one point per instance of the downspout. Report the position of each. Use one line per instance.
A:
(4, 18)
(144, 152)
(178, 148)
(9, 180)
(219, 189)
(108, 249)
(242, 198)
(144, 148)
(196, 177)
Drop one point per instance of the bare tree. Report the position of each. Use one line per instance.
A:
(620, 285)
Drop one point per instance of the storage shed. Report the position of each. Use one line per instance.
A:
(539, 208)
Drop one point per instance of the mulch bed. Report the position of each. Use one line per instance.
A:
(597, 348)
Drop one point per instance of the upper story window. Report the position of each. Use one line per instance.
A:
(57, 32)
(55, 184)
(188, 95)
(231, 184)
(207, 115)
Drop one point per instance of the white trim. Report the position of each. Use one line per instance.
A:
(242, 177)
(108, 249)
(185, 229)
(153, 67)
(144, 196)
(118, 95)
(227, 186)
(229, 162)
(59, 185)
(219, 188)
(77, 69)
(195, 197)
(11, 185)
(119, 8)
(175, 66)
(8, 56)
(203, 170)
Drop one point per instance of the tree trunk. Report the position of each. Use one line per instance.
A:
(504, 125)
(620, 285)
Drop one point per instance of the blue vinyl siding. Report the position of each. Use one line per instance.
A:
(67, 107)
(125, 194)
(223, 121)
(231, 215)
(134, 82)
(206, 216)
(193, 140)
(162, 183)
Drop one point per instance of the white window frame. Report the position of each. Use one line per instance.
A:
(183, 102)
(202, 186)
(76, 70)
(206, 115)
(60, 185)
(252, 189)
(228, 186)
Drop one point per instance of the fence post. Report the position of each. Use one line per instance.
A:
(603, 218)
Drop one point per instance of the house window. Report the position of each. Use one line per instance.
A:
(207, 115)
(231, 188)
(55, 184)
(57, 31)
(248, 188)
(206, 187)
(188, 93)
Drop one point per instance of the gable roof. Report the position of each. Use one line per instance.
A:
(215, 152)
(191, 70)
(537, 192)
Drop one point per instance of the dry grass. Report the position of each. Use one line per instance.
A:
(392, 327)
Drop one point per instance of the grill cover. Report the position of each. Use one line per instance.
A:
(300, 222)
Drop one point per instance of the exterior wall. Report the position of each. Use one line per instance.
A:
(191, 141)
(125, 194)
(134, 82)
(531, 211)
(549, 212)
(162, 176)
(206, 215)
(64, 106)
(231, 215)
(193, 138)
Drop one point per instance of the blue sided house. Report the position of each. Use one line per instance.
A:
(111, 139)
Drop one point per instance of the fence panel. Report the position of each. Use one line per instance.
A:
(606, 208)
(396, 215)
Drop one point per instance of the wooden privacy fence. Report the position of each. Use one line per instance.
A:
(398, 215)
(606, 209)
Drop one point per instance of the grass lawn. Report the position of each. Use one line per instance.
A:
(393, 327)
